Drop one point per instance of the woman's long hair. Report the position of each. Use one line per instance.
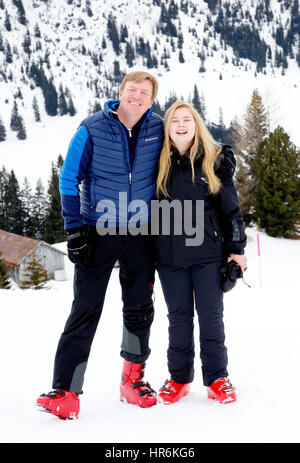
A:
(202, 136)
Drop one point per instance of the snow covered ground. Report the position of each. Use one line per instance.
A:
(262, 328)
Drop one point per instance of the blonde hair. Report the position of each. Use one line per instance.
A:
(202, 136)
(139, 76)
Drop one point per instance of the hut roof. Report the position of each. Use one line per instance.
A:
(14, 248)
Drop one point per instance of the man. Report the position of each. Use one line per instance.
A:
(113, 155)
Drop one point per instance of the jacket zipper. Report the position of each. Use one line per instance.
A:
(214, 229)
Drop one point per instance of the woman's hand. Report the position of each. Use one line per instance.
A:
(241, 260)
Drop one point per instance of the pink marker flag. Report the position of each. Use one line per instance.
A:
(259, 259)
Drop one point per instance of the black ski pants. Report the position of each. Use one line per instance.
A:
(135, 257)
(184, 288)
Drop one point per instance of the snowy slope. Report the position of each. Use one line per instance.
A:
(262, 328)
(66, 28)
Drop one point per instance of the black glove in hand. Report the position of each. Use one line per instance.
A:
(231, 271)
(79, 245)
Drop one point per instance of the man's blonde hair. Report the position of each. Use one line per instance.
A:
(139, 76)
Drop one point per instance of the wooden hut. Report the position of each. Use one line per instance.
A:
(16, 252)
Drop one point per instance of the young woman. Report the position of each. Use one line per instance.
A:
(194, 167)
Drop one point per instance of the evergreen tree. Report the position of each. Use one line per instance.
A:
(129, 54)
(13, 205)
(36, 110)
(2, 131)
(62, 103)
(113, 34)
(71, 107)
(38, 213)
(256, 126)
(253, 132)
(88, 8)
(277, 190)
(123, 33)
(196, 102)
(54, 225)
(8, 54)
(26, 199)
(180, 57)
(222, 127)
(7, 22)
(97, 107)
(35, 275)
(21, 12)
(50, 95)
(21, 134)
(3, 187)
(27, 43)
(4, 279)
(1, 43)
(15, 118)
(37, 31)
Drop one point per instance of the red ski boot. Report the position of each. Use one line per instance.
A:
(172, 392)
(222, 390)
(132, 389)
(63, 404)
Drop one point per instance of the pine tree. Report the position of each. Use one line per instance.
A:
(37, 31)
(36, 110)
(27, 43)
(8, 54)
(54, 225)
(38, 213)
(71, 107)
(62, 103)
(35, 275)
(1, 43)
(21, 134)
(180, 57)
(129, 54)
(7, 22)
(113, 34)
(26, 198)
(4, 279)
(2, 131)
(15, 118)
(253, 132)
(50, 95)
(13, 205)
(196, 102)
(21, 12)
(256, 126)
(277, 189)
(3, 187)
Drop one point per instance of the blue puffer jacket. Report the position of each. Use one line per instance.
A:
(98, 159)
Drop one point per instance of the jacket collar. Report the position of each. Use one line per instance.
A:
(184, 159)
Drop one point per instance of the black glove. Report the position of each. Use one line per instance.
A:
(79, 245)
(231, 271)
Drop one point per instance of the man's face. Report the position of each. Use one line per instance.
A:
(136, 98)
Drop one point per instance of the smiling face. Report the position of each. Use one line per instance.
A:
(182, 129)
(135, 99)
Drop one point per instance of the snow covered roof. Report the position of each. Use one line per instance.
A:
(14, 248)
